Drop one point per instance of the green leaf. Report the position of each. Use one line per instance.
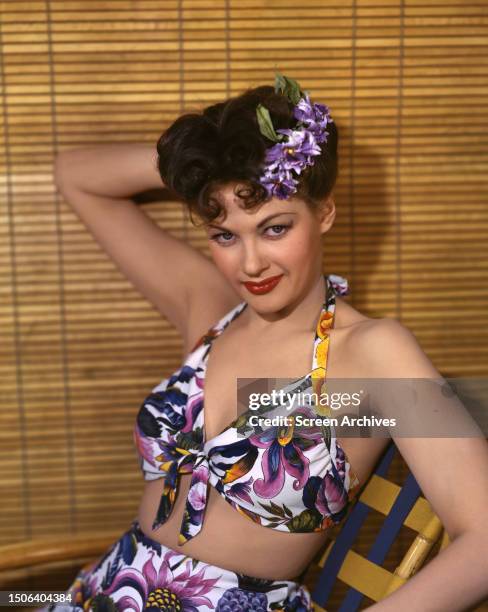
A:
(287, 510)
(289, 87)
(186, 440)
(267, 507)
(266, 125)
(307, 520)
(133, 544)
(277, 510)
(273, 509)
(103, 602)
(327, 435)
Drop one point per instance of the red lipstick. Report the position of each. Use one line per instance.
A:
(265, 286)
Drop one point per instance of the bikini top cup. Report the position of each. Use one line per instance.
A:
(285, 478)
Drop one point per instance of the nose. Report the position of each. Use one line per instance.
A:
(254, 261)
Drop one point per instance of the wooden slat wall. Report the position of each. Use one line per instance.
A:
(79, 347)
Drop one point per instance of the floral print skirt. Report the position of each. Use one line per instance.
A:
(138, 573)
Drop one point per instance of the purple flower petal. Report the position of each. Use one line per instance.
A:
(197, 495)
(297, 151)
(128, 603)
(331, 497)
(296, 464)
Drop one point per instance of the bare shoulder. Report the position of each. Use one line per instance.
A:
(389, 349)
(381, 348)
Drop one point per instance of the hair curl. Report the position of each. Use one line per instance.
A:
(200, 152)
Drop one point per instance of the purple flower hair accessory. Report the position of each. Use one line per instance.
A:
(295, 148)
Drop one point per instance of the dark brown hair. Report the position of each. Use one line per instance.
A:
(200, 152)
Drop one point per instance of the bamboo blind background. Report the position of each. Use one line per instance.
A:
(80, 348)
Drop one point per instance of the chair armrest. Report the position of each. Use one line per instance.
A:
(32, 553)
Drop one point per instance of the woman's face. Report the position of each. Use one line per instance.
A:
(277, 238)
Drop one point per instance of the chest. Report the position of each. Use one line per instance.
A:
(230, 359)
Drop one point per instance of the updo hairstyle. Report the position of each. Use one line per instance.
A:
(200, 152)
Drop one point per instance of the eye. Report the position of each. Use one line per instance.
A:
(226, 238)
(281, 230)
(216, 237)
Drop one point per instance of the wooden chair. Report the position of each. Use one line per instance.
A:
(401, 505)
(78, 548)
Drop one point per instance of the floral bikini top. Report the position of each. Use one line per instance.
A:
(286, 478)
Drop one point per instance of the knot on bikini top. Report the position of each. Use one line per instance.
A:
(285, 478)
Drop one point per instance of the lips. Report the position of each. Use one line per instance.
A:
(265, 286)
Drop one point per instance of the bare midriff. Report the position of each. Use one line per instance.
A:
(228, 539)
(232, 541)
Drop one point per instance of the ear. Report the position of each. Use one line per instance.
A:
(327, 214)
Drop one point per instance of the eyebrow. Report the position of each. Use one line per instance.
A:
(261, 223)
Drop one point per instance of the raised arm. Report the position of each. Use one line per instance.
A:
(182, 284)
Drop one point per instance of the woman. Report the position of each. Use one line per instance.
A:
(259, 170)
